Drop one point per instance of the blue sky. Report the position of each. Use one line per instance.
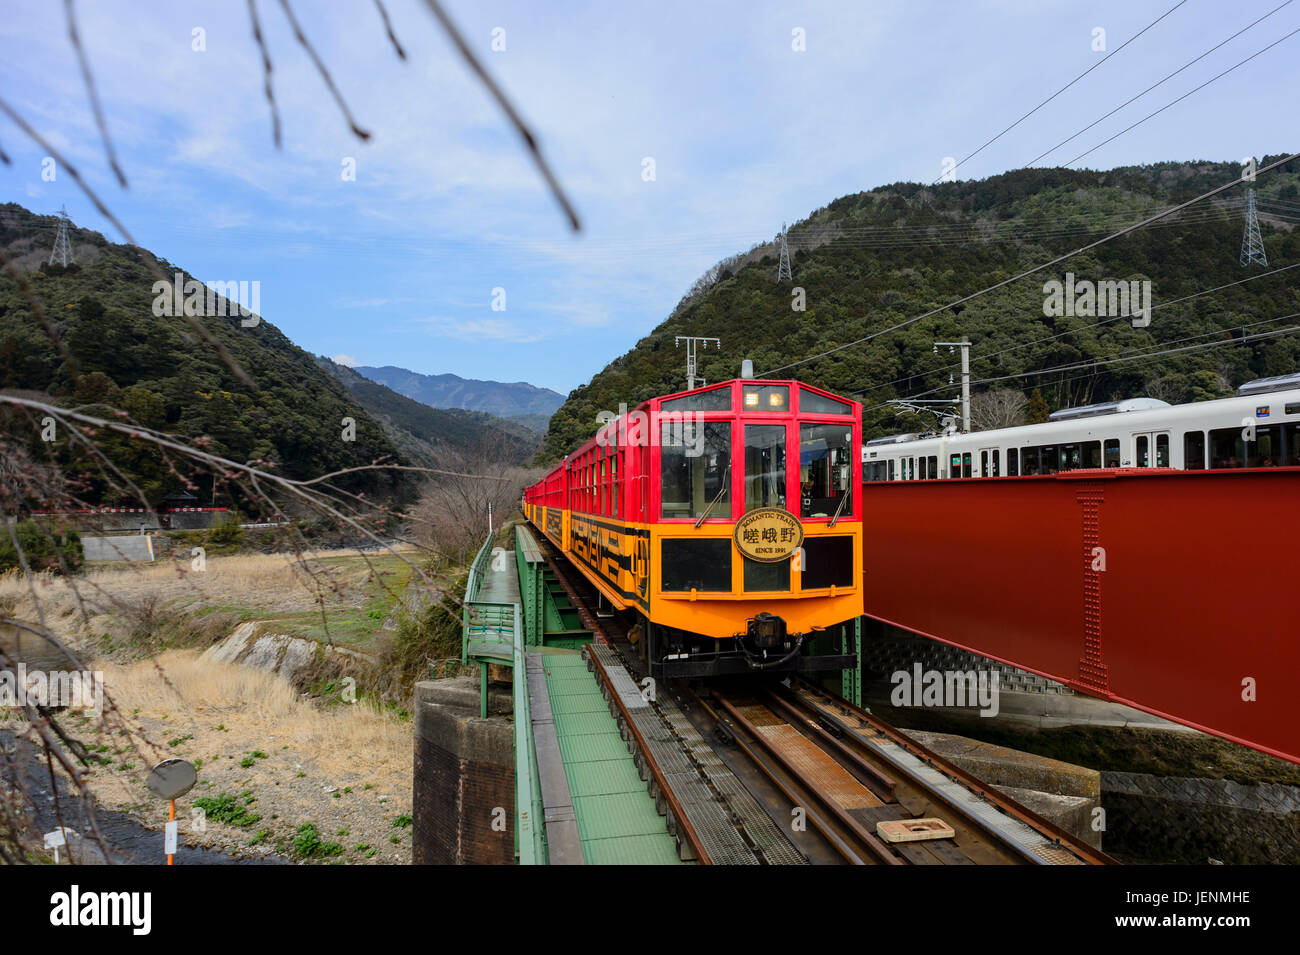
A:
(399, 266)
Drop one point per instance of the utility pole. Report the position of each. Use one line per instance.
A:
(691, 342)
(783, 270)
(964, 345)
(62, 246)
(1252, 243)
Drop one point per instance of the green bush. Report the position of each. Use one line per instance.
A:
(226, 534)
(41, 546)
(308, 845)
(228, 809)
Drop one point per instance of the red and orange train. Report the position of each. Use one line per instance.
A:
(726, 519)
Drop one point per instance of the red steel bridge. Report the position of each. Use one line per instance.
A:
(1174, 592)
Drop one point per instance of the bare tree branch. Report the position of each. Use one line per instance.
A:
(266, 72)
(90, 92)
(388, 28)
(529, 140)
(325, 74)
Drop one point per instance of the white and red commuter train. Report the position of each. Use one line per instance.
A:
(1259, 427)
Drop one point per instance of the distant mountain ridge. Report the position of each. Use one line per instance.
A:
(102, 344)
(503, 399)
(435, 437)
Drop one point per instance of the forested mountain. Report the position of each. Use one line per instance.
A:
(871, 260)
(503, 399)
(434, 437)
(104, 344)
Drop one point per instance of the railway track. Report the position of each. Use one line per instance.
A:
(753, 771)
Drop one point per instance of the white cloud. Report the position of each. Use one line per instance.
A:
(473, 329)
(347, 360)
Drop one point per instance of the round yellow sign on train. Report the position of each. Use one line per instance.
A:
(768, 534)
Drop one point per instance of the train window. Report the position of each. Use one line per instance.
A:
(1194, 450)
(1071, 457)
(1292, 445)
(934, 466)
(1013, 462)
(1226, 448)
(891, 469)
(1091, 454)
(697, 564)
(1265, 450)
(1049, 459)
(766, 398)
(719, 399)
(764, 466)
(696, 476)
(825, 451)
(812, 403)
(827, 562)
(1029, 460)
(1143, 451)
(761, 576)
(1110, 453)
(965, 464)
(911, 469)
(954, 465)
(1162, 450)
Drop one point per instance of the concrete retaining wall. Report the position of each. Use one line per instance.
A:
(134, 547)
(1062, 793)
(1193, 820)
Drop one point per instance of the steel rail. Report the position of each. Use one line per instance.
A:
(1014, 809)
(821, 825)
(868, 840)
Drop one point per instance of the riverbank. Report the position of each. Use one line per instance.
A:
(322, 776)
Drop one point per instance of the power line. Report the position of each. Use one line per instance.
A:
(1183, 97)
(1038, 268)
(1149, 359)
(1075, 331)
(1065, 87)
(1072, 366)
(1159, 83)
(1093, 363)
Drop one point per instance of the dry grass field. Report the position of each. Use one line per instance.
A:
(287, 761)
(354, 590)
